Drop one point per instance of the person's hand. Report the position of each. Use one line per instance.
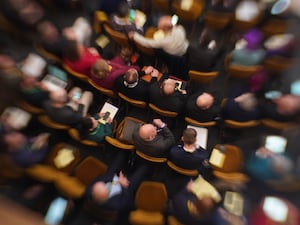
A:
(69, 33)
(149, 69)
(40, 141)
(189, 185)
(183, 92)
(154, 73)
(123, 181)
(130, 35)
(158, 123)
(93, 51)
(287, 104)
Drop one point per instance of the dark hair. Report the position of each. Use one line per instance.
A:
(70, 50)
(123, 9)
(189, 136)
(84, 126)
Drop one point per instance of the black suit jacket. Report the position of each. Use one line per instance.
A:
(158, 147)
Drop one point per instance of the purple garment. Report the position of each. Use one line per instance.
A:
(254, 38)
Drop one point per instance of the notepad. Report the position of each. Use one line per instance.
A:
(217, 158)
(53, 83)
(275, 209)
(201, 188)
(102, 41)
(109, 111)
(202, 134)
(234, 203)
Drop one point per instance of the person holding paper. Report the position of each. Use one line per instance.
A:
(25, 151)
(196, 204)
(68, 108)
(188, 154)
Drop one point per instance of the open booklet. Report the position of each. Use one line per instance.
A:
(180, 84)
(109, 111)
(53, 82)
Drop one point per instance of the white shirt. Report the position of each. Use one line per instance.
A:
(173, 43)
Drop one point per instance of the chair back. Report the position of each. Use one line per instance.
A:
(273, 124)
(151, 158)
(29, 108)
(217, 20)
(183, 171)
(89, 169)
(277, 64)
(162, 112)
(80, 76)
(151, 196)
(242, 25)
(118, 144)
(133, 102)
(74, 133)
(198, 123)
(48, 55)
(102, 90)
(240, 125)
(45, 120)
(118, 37)
(202, 77)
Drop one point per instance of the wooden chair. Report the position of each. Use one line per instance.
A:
(241, 125)
(30, 108)
(151, 158)
(133, 102)
(100, 17)
(80, 76)
(162, 112)
(118, 37)
(54, 166)
(217, 20)
(162, 5)
(277, 64)
(276, 125)
(275, 25)
(74, 186)
(173, 221)
(74, 134)
(241, 25)
(46, 54)
(46, 121)
(198, 123)
(183, 171)
(286, 185)
(191, 15)
(150, 200)
(202, 77)
(229, 163)
(104, 91)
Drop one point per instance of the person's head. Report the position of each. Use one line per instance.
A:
(147, 132)
(168, 86)
(100, 192)
(88, 124)
(48, 31)
(101, 68)
(165, 23)
(59, 96)
(72, 50)
(28, 81)
(204, 205)
(189, 136)
(254, 37)
(12, 141)
(123, 10)
(131, 78)
(204, 101)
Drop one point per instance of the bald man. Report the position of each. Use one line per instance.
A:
(165, 95)
(114, 190)
(203, 106)
(67, 108)
(154, 139)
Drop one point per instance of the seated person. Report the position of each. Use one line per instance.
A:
(205, 52)
(192, 208)
(33, 91)
(25, 151)
(78, 57)
(104, 72)
(91, 129)
(114, 191)
(243, 107)
(203, 106)
(188, 154)
(269, 162)
(133, 86)
(165, 95)
(67, 108)
(122, 20)
(281, 45)
(251, 52)
(153, 139)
